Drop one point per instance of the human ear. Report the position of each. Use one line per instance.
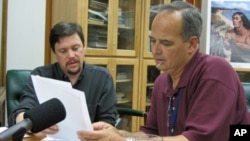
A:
(193, 44)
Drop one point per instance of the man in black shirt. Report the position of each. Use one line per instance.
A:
(67, 43)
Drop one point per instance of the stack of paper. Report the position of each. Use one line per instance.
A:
(77, 115)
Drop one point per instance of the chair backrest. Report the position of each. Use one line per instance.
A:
(124, 114)
(15, 82)
(246, 86)
(130, 112)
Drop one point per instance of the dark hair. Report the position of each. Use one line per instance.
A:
(246, 22)
(192, 21)
(63, 29)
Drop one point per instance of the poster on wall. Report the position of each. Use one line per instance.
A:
(228, 31)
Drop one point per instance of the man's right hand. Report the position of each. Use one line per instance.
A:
(101, 132)
(51, 130)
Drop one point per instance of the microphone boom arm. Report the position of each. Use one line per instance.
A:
(14, 134)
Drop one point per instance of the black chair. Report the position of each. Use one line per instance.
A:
(131, 112)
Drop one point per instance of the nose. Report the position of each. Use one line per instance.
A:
(156, 48)
(70, 53)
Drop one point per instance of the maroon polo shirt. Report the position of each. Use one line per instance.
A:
(212, 98)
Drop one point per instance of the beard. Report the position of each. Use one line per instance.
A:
(74, 72)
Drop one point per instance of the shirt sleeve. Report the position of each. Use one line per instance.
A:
(106, 110)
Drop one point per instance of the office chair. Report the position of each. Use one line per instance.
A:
(131, 112)
(15, 82)
(246, 86)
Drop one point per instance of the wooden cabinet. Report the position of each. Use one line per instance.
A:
(125, 74)
(113, 30)
(2, 105)
(149, 74)
(150, 9)
(196, 3)
(111, 27)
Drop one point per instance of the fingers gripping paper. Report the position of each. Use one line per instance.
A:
(77, 115)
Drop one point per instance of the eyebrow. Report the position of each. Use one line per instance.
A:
(161, 40)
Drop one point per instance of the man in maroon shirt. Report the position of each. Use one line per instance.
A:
(197, 97)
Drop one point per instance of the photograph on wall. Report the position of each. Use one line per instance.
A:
(229, 31)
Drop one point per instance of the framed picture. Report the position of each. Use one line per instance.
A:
(228, 30)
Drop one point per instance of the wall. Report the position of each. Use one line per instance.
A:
(204, 29)
(25, 34)
(1, 8)
(1, 67)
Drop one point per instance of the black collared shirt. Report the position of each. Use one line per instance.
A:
(96, 82)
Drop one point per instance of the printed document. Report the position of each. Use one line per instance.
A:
(77, 115)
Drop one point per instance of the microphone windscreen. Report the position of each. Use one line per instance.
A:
(46, 114)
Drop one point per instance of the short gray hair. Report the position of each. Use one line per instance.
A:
(192, 21)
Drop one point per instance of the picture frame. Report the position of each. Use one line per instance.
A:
(223, 37)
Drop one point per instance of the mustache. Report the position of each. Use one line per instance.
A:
(74, 61)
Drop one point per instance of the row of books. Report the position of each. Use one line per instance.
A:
(98, 14)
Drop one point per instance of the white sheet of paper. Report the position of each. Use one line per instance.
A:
(77, 115)
(5, 128)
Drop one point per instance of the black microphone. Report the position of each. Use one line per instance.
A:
(37, 119)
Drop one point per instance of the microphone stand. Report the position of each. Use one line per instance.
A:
(17, 131)
(18, 136)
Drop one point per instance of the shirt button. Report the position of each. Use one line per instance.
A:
(172, 130)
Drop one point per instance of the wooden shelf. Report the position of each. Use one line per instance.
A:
(2, 105)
